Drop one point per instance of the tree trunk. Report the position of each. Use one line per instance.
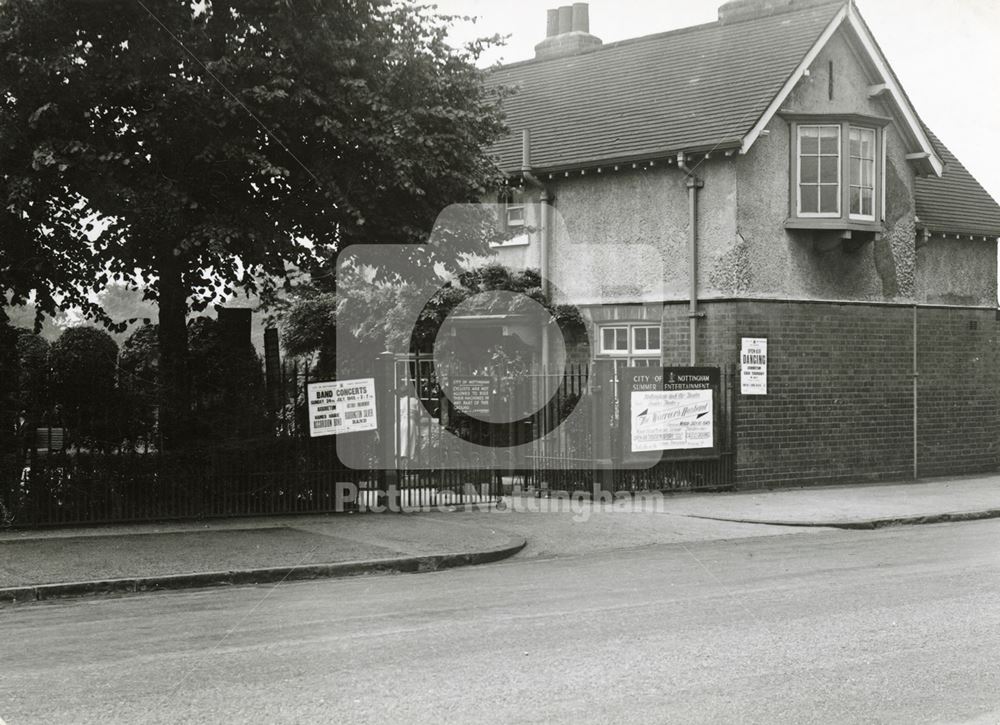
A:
(175, 384)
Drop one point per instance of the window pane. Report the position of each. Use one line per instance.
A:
(867, 142)
(828, 199)
(855, 170)
(867, 199)
(866, 174)
(621, 339)
(855, 143)
(646, 338)
(828, 169)
(810, 199)
(608, 339)
(855, 200)
(808, 143)
(828, 136)
(809, 171)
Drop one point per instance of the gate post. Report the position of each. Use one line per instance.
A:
(601, 380)
(385, 398)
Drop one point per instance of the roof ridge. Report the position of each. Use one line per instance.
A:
(659, 36)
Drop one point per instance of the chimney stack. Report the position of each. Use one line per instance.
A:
(738, 11)
(567, 31)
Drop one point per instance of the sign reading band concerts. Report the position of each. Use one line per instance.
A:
(753, 366)
(341, 406)
(669, 409)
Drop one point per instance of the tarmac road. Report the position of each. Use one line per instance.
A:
(894, 625)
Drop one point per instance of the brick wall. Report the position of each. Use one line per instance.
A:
(839, 407)
(958, 398)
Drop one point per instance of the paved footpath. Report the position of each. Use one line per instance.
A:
(859, 506)
(40, 564)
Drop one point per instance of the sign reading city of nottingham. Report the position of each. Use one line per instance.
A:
(341, 406)
(670, 411)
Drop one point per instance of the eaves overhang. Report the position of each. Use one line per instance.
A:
(668, 157)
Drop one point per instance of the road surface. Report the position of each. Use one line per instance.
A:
(897, 625)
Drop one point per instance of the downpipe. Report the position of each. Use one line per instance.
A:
(693, 184)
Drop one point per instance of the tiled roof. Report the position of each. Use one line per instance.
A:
(955, 203)
(691, 89)
(688, 89)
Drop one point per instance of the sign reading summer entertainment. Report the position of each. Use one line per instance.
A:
(341, 406)
(471, 395)
(753, 366)
(669, 409)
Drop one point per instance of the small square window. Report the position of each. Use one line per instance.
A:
(646, 339)
(614, 340)
(515, 215)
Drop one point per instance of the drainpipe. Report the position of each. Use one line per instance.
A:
(543, 229)
(915, 375)
(693, 184)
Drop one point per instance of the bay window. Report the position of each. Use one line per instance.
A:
(836, 172)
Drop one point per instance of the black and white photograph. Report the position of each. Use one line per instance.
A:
(481, 361)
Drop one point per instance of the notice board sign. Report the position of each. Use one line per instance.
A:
(753, 365)
(669, 412)
(471, 395)
(341, 406)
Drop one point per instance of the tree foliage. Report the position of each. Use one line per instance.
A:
(84, 369)
(33, 374)
(376, 316)
(227, 389)
(190, 149)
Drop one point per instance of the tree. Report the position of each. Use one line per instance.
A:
(227, 387)
(84, 369)
(10, 372)
(33, 378)
(138, 382)
(193, 148)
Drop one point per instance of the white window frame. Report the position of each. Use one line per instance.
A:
(875, 181)
(819, 183)
(514, 207)
(636, 350)
(615, 351)
(631, 355)
(844, 219)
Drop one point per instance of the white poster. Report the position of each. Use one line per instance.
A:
(668, 420)
(753, 366)
(341, 406)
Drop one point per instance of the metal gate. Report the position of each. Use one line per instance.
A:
(580, 449)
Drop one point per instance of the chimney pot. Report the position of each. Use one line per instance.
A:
(552, 23)
(565, 19)
(581, 17)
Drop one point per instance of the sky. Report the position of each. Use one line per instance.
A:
(945, 54)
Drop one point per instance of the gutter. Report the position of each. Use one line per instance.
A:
(693, 184)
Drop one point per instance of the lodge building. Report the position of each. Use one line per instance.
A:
(766, 176)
